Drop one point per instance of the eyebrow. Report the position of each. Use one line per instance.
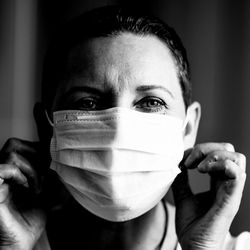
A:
(96, 91)
(152, 87)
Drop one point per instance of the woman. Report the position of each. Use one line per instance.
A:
(117, 116)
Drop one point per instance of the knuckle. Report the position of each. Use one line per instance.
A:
(242, 161)
(197, 149)
(213, 156)
(11, 145)
(227, 162)
(241, 157)
(12, 157)
(228, 146)
(14, 171)
(13, 141)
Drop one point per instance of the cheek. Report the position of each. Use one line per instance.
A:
(178, 108)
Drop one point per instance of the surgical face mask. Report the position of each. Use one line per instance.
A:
(117, 163)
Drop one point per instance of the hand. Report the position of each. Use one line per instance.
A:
(203, 220)
(22, 218)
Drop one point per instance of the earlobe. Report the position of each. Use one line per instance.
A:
(192, 124)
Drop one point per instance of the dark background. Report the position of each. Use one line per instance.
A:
(216, 35)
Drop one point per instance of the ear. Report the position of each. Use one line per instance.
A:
(44, 129)
(192, 124)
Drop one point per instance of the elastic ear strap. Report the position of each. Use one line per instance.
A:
(185, 121)
(50, 122)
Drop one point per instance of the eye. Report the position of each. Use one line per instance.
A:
(87, 103)
(151, 104)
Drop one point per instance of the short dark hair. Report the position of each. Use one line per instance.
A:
(104, 22)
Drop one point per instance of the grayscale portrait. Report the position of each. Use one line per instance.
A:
(124, 125)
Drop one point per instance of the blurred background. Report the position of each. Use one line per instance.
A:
(216, 34)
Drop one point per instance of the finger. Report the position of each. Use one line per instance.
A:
(24, 165)
(186, 154)
(12, 173)
(186, 207)
(4, 193)
(229, 193)
(31, 151)
(225, 167)
(216, 161)
(200, 151)
(19, 146)
(181, 188)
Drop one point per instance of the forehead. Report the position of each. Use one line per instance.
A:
(122, 61)
(128, 54)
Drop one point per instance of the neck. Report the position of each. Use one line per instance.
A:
(72, 226)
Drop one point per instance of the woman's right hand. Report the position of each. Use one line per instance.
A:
(22, 217)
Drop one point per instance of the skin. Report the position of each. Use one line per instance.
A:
(137, 73)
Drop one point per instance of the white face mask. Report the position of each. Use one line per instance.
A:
(117, 163)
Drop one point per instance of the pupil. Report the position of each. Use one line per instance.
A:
(153, 103)
(89, 104)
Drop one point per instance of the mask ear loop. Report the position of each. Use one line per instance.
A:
(185, 122)
(48, 118)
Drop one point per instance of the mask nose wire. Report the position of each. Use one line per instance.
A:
(48, 118)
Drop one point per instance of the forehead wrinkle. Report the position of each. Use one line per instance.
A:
(117, 78)
(106, 70)
(102, 62)
(116, 71)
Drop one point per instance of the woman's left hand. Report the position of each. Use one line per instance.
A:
(203, 220)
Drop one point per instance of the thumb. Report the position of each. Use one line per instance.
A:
(181, 189)
(183, 198)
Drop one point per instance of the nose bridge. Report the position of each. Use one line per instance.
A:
(119, 126)
(123, 99)
(118, 84)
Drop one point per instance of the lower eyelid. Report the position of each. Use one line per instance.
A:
(160, 109)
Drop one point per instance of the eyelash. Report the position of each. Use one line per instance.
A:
(80, 103)
(141, 105)
(160, 104)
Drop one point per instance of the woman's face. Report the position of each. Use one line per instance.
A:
(127, 71)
